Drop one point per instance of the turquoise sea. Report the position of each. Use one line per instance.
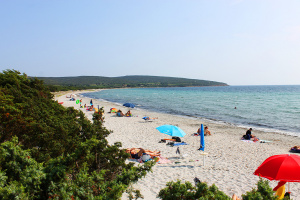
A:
(268, 108)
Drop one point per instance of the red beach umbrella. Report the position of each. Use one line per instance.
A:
(284, 167)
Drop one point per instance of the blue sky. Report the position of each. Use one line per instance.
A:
(239, 42)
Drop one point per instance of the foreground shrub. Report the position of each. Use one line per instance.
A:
(262, 192)
(178, 190)
(51, 152)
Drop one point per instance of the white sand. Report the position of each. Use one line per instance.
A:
(230, 162)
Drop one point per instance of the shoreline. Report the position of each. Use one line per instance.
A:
(230, 162)
(208, 120)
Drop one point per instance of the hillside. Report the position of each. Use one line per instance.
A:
(86, 82)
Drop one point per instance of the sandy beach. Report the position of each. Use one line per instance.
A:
(229, 163)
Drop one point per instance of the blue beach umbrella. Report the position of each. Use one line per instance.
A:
(171, 130)
(202, 143)
(131, 105)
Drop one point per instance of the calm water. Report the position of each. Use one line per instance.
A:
(270, 108)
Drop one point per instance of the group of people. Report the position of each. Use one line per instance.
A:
(206, 131)
(121, 114)
(249, 135)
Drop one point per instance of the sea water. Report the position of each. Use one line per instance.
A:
(268, 108)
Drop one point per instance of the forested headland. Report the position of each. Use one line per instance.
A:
(99, 82)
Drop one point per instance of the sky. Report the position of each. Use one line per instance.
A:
(238, 42)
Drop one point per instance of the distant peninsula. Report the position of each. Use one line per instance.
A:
(99, 82)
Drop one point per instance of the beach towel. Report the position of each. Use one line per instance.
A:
(182, 143)
(159, 160)
(163, 160)
(248, 141)
(265, 141)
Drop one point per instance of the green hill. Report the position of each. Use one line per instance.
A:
(93, 82)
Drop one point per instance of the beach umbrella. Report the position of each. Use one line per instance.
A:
(283, 168)
(113, 110)
(131, 105)
(171, 130)
(202, 143)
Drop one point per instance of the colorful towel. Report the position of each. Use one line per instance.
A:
(182, 143)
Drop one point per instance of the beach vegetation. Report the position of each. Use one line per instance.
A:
(48, 151)
(177, 191)
(263, 192)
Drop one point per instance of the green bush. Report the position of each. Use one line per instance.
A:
(178, 191)
(262, 192)
(51, 152)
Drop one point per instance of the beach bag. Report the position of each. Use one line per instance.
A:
(177, 139)
(146, 157)
(170, 143)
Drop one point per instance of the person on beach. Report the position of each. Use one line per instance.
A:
(120, 113)
(136, 153)
(206, 131)
(91, 102)
(128, 114)
(234, 197)
(249, 134)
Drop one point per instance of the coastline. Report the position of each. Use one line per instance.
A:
(266, 121)
(230, 162)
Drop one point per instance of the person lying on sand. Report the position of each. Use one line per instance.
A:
(296, 148)
(136, 153)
